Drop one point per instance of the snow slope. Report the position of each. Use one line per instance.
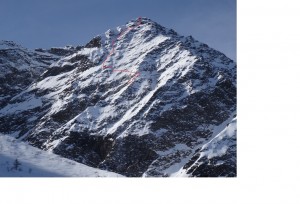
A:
(90, 107)
(218, 156)
(37, 163)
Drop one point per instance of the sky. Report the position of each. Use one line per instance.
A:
(56, 23)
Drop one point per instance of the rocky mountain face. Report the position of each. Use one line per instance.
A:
(20, 67)
(139, 100)
(215, 158)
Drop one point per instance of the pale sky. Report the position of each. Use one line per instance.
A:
(53, 23)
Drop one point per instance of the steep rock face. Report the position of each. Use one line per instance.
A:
(19, 67)
(217, 158)
(137, 100)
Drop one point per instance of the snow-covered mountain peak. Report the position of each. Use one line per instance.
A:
(127, 101)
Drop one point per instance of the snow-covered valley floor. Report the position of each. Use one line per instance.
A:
(18, 159)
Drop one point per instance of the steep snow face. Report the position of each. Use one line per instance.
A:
(215, 158)
(127, 96)
(18, 159)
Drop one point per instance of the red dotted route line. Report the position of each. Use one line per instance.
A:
(112, 51)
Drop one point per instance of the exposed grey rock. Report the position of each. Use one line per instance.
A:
(149, 124)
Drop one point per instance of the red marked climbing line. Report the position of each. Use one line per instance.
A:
(105, 66)
(133, 78)
(112, 51)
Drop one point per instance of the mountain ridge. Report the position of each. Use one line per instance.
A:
(80, 109)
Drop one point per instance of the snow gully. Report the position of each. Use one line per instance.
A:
(112, 51)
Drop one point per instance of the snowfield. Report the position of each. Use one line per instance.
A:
(18, 159)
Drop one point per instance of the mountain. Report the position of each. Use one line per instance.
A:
(215, 158)
(20, 67)
(18, 159)
(139, 100)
